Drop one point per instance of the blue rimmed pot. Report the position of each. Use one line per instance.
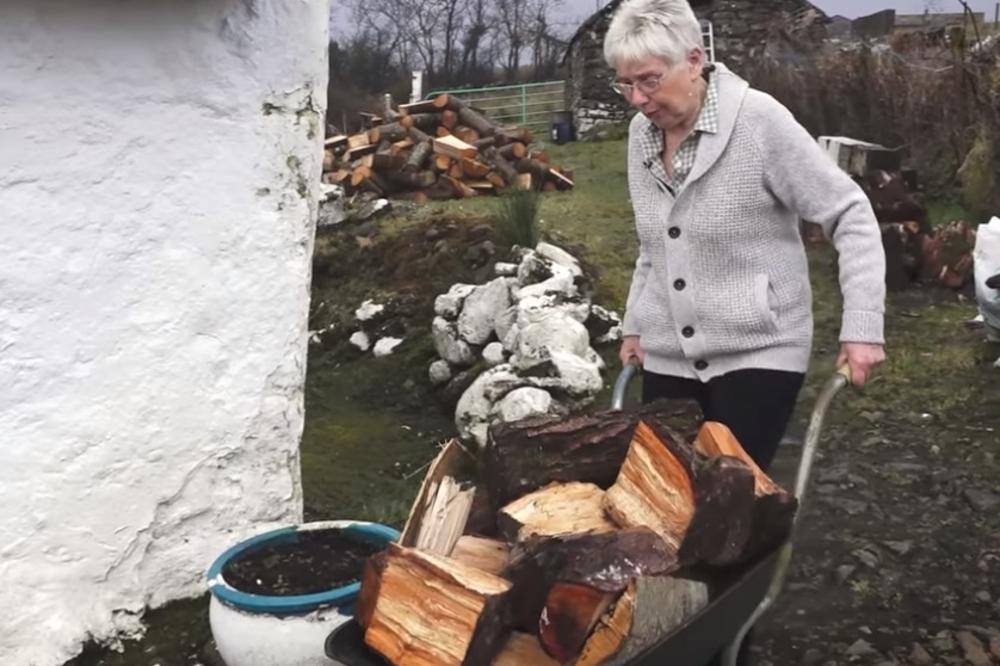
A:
(261, 630)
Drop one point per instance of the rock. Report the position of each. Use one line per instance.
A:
(360, 340)
(580, 377)
(533, 269)
(450, 304)
(943, 642)
(481, 309)
(448, 345)
(983, 501)
(472, 414)
(984, 596)
(385, 346)
(480, 231)
(899, 547)
(504, 269)
(844, 572)
(559, 257)
(493, 354)
(868, 557)
(995, 647)
(973, 648)
(368, 310)
(371, 210)
(812, 657)
(603, 325)
(478, 254)
(503, 323)
(523, 403)
(561, 285)
(920, 657)
(331, 213)
(533, 308)
(555, 332)
(459, 384)
(849, 506)
(862, 648)
(439, 372)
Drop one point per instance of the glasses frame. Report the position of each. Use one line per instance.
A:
(646, 85)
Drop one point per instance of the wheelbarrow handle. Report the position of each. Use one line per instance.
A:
(628, 371)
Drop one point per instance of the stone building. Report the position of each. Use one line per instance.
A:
(159, 195)
(741, 30)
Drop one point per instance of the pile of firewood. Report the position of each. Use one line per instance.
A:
(439, 149)
(580, 548)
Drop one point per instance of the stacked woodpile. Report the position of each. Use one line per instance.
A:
(439, 149)
(580, 546)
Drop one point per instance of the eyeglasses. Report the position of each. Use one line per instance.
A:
(647, 85)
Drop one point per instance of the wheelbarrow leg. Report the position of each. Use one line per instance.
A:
(835, 383)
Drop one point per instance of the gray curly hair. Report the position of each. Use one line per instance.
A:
(666, 29)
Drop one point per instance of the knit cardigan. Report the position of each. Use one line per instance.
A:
(722, 280)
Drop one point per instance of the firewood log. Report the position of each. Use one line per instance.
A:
(411, 179)
(521, 134)
(335, 142)
(481, 186)
(541, 156)
(474, 169)
(606, 561)
(432, 610)
(418, 156)
(523, 649)
(442, 131)
(476, 121)
(485, 142)
(489, 555)
(455, 170)
(401, 146)
(439, 103)
(364, 161)
(539, 171)
(570, 614)
(371, 579)
(329, 160)
(354, 153)
(365, 178)
(653, 489)
(513, 151)
(723, 517)
(387, 162)
(549, 186)
(453, 147)
(424, 121)
(466, 134)
(496, 180)
(524, 181)
(453, 461)
(559, 508)
(449, 119)
(441, 163)
(716, 439)
(560, 180)
(358, 140)
(527, 455)
(391, 132)
(611, 631)
(461, 189)
(504, 167)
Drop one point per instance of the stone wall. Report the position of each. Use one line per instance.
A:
(158, 196)
(744, 29)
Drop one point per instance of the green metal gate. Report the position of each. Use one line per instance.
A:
(528, 105)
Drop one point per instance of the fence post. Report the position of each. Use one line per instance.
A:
(524, 104)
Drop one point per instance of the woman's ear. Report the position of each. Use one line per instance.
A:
(696, 63)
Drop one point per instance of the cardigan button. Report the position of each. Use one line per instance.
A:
(674, 232)
(700, 365)
(687, 331)
(679, 284)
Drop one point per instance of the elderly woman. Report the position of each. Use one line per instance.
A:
(720, 307)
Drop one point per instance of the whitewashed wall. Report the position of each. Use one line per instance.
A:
(158, 171)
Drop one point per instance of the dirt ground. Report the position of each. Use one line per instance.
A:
(899, 542)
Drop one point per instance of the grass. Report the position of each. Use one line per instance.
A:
(517, 215)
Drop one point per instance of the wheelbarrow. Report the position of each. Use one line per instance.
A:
(745, 594)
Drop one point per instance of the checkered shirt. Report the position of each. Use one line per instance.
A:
(683, 158)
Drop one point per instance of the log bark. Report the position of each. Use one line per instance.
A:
(391, 132)
(521, 134)
(418, 156)
(358, 140)
(424, 121)
(539, 171)
(513, 151)
(485, 142)
(502, 166)
(336, 142)
(489, 555)
(387, 162)
(562, 181)
(439, 103)
(527, 455)
(412, 179)
(557, 509)
(449, 118)
(366, 177)
(432, 610)
(452, 461)
(476, 121)
(611, 632)
(474, 169)
(716, 439)
(442, 163)
(653, 489)
(461, 189)
(466, 134)
(354, 153)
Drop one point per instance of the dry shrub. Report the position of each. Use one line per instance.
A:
(933, 100)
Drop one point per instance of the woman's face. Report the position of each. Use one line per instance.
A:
(668, 96)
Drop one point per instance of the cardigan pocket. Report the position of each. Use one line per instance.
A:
(762, 298)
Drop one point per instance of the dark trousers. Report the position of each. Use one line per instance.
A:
(755, 404)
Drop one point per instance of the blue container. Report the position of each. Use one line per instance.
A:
(563, 130)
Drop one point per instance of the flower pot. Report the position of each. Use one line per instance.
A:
(270, 605)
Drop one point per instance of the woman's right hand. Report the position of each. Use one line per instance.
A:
(631, 349)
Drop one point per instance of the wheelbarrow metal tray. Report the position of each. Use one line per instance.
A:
(737, 594)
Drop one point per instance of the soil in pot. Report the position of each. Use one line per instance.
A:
(312, 562)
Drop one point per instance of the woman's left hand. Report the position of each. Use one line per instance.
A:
(862, 358)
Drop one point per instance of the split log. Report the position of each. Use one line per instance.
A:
(605, 561)
(461, 189)
(452, 461)
(499, 163)
(418, 156)
(530, 454)
(723, 517)
(549, 186)
(329, 160)
(521, 134)
(541, 156)
(774, 508)
(444, 521)
(338, 177)
(481, 186)
(392, 132)
(523, 181)
(411, 179)
(354, 153)
(449, 119)
(562, 181)
(466, 134)
(513, 151)
(474, 169)
(442, 131)
(387, 162)
(559, 508)
(364, 161)
(401, 146)
(489, 555)
(455, 170)
(442, 163)
(365, 178)
(432, 610)
(336, 142)
(371, 579)
(571, 612)
(424, 121)
(539, 171)
(611, 631)
(358, 140)
(477, 122)
(454, 147)
(523, 649)
(653, 489)
(439, 103)
(496, 180)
